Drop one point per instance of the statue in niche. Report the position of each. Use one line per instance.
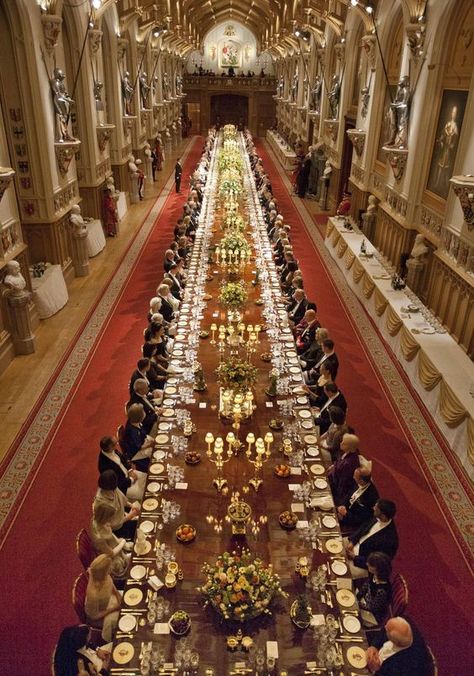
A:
(325, 180)
(318, 161)
(13, 279)
(62, 105)
(294, 87)
(144, 90)
(333, 96)
(77, 221)
(179, 84)
(305, 90)
(280, 87)
(166, 87)
(315, 98)
(365, 98)
(127, 93)
(419, 249)
(98, 87)
(398, 115)
(369, 217)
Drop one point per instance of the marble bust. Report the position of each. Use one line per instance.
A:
(14, 279)
(420, 249)
(78, 223)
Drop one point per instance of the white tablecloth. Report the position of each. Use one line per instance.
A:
(122, 206)
(50, 292)
(95, 238)
(453, 371)
(286, 156)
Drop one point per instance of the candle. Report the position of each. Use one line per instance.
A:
(268, 441)
(209, 438)
(250, 439)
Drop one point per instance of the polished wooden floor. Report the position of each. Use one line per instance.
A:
(25, 378)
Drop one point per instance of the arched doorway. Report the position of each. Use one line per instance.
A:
(229, 109)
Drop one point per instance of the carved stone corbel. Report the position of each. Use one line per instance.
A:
(122, 45)
(321, 52)
(6, 177)
(463, 187)
(104, 132)
(416, 33)
(51, 24)
(331, 129)
(128, 121)
(340, 51)
(65, 151)
(397, 158)
(369, 44)
(95, 40)
(357, 138)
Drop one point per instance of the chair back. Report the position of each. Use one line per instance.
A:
(120, 433)
(85, 548)
(431, 663)
(399, 596)
(79, 596)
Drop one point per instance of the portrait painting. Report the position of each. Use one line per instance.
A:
(448, 131)
(230, 54)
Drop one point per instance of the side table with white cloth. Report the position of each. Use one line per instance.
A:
(286, 156)
(50, 292)
(438, 368)
(95, 237)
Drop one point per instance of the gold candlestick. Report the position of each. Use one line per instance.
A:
(261, 456)
(213, 337)
(219, 460)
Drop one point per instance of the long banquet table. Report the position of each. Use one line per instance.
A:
(438, 368)
(284, 153)
(198, 497)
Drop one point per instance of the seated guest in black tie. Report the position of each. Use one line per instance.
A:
(134, 441)
(305, 330)
(158, 372)
(143, 367)
(359, 507)
(400, 651)
(332, 396)
(330, 441)
(140, 396)
(287, 275)
(329, 356)
(297, 307)
(168, 259)
(314, 352)
(375, 593)
(74, 657)
(130, 481)
(341, 474)
(379, 534)
(317, 394)
(166, 310)
(176, 288)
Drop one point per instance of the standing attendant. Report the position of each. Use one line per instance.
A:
(178, 171)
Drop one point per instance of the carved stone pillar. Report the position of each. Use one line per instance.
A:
(80, 255)
(416, 270)
(134, 197)
(20, 323)
(369, 221)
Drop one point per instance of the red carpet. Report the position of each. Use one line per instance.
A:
(439, 580)
(38, 560)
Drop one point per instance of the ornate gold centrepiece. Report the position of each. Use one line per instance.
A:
(262, 454)
(239, 513)
(216, 456)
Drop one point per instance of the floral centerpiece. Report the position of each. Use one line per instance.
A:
(239, 586)
(230, 186)
(233, 295)
(236, 375)
(235, 242)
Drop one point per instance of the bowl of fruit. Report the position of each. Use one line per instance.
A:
(185, 533)
(192, 458)
(276, 424)
(179, 623)
(282, 470)
(288, 520)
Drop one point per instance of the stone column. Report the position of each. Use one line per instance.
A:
(416, 269)
(134, 198)
(20, 323)
(80, 257)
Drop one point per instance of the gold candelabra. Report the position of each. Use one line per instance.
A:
(262, 454)
(217, 457)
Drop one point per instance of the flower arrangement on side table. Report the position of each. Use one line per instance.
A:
(239, 586)
(236, 374)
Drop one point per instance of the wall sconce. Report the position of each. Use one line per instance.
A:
(463, 187)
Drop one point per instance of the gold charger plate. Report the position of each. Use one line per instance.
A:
(150, 504)
(329, 521)
(162, 439)
(142, 548)
(133, 596)
(170, 389)
(167, 413)
(156, 468)
(334, 546)
(123, 653)
(316, 469)
(304, 413)
(356, 657)
(345, 598)
(310, 439)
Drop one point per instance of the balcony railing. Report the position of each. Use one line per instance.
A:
(226, 83)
